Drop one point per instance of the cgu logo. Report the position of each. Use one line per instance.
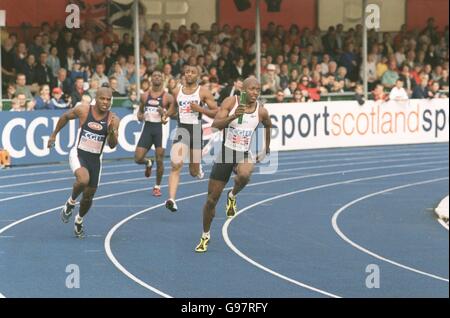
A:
(95, 126)
(32, 139)
(24, 137)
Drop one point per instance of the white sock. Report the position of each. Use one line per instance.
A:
(78, 219)
(72, 202)
(149, 163)
(157, 186)
(206, 235)
(231, 195)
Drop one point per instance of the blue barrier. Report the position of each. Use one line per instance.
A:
(25, 136)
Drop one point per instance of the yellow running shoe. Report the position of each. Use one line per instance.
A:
(231, 206)
(202, 247)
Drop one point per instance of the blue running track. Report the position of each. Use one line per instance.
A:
(315, 228)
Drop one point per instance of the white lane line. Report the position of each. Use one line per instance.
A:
(68, 170)
(67, 178)
(2, 230)
(66, 189)
(264, 268)
(364, 250)
(308, 153)
(281, 155)
(283, 163)
(138, 179)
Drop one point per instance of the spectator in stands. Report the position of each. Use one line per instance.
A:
(443, 82)
(237, 68)
(231, 90)
(119, 74)
(78, 71)
(398, 92)
(63, 82)
(176, 64)
(172, 86)
(10, 91)
(434, 91)
(400, 56)
(15, 106)
(349, 61)
(21, 87)
(409, 82)
(379, 94)
(329, 41)
(298, 97)
(313, 93)
(94, 85)
(371, 71)
(270, 82)
(390, 77)
(22, 100)
(145, 86)
(114, 84)
(53, 61)
(43, 73)
(43, 100)
(382, 67)
(57, 101)
(126, 48)
(279, 96)
(436, 74)
(421, 91)
(415, 74)
(99, 74)
(7, 65)
(342, 75)
(324, 64)
(132, 101)
(86, 47)
(359, 95)
(284, 76)
(78, 91)
(109, 36)
(35, 48)
(69, 59)
(332, 68)
(289, 91)
(30, 69)
(20, 57)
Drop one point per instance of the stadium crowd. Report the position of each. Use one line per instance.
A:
(59, 66)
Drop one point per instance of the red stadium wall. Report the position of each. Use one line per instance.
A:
(33, 12)
(303, 13)
(418, 11)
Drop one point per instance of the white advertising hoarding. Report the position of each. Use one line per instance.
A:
(346, 124)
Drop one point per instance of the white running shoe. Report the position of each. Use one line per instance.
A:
(171, 205)
(201, 173)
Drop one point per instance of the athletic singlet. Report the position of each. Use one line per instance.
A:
(151, 108)
(185, 113)
(237, 136)
(92, 134)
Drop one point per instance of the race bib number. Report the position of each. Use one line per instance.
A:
(238, 139)
(152, 115)
(187, 115)
(91, 142)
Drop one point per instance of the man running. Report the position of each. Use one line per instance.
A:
(239, 123)
(152, 108)
(98, 125)
(189, 101)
